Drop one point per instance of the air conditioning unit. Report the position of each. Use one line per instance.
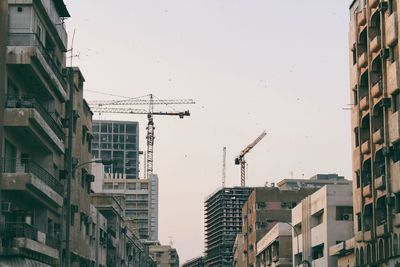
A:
(347, 217)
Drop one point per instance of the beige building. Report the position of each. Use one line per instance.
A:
(275, 248)
(264, 208)
(141, 197)
(321, 220)
(238, 251)
(164, 256)
(344, 252)
(375, 116)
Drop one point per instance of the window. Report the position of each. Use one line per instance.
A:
(317, 218)
(391, 6)
(318, 252)
(359, 221)
(344, 213)
(395, 101)
(356, 137)
(19, 9)
(354, 54)
(261, 205)
(84, 131)
(355, 97)
(393, 53)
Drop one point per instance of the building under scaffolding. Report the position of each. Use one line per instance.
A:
(223, 221)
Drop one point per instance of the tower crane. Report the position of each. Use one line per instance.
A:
(223, 166)
(240, 159)
(112, 106)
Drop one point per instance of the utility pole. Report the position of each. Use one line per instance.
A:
(3, 80)
(70, 116)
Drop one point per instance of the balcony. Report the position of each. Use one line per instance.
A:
(373, 3)
(377, 137)
(375, 44)
(382, 230)
(368, 236)
(28, 177)
(25, 238)
(27, 117)
(393, 78)
(391, 29)
(379, 182)
(363, 60)
(366, 147)
(361, 17)
(27, 53)
(376, 90)
(394, 127)
(367, 191)
(364, 103)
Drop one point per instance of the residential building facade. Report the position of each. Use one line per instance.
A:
(141, 197)
(164, 256)
(374, 90)
(238, 251)
(195, 262)
(322, 220)
(264, 208)
(316, 181)
(344, 252)
(119, 141)
(275, 248)
(223, 221)
(33, 138)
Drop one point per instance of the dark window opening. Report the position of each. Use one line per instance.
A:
(318, 252)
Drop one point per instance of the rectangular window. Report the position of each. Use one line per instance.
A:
(395, 101)
(356, 137)
(354, 54)
(318, 252)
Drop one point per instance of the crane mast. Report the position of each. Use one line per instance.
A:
(240, 160)
(113, 106)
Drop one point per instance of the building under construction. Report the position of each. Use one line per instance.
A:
(223, 221)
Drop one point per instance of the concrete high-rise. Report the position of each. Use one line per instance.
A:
(223, 221)
(141, 199)
(117, 140)
(375, 119)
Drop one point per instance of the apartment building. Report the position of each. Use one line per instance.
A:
(164, 256)
(322, 220)
(375, 116)
(275, 248)
(118, 140)
(33, 138)
(263, 209)
(316, 181)
(123, 246)
(141, 197)
(195, 262)
(238, 251)
(344, 252)
(223, 221)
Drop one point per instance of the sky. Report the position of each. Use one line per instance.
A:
(250, 65)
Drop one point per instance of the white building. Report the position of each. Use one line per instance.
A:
(322, 220)
(141, 199)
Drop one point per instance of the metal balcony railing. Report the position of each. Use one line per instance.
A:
(28, 102)
(31, 39)
(25, 165)
(21, 229)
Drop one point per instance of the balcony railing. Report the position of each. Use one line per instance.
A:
(27, 102)
(25, 165)
(31, 39)
(20, 229)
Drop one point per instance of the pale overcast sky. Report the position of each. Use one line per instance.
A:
(279, 66)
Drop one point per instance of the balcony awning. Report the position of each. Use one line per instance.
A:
(21, 262)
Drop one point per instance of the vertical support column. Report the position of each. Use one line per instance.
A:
(3, 79)
(70, 116)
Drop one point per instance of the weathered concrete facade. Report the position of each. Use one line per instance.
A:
(32, 154)
(165, 256)
(195, 262)
(275, 248)
(344, 252)
(238, 251)
(141, 197)
(264, 208)
(321, 220)
(374, 89)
